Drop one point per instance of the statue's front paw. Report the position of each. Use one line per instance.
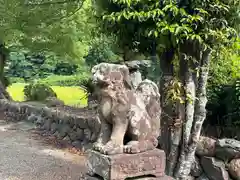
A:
(112, 148)
(131, 148)
(97, 146)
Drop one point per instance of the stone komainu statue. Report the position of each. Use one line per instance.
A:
(130, 118)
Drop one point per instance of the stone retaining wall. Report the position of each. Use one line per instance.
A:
(73, 127)
(217, 160)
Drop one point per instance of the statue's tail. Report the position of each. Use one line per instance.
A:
(149, 92)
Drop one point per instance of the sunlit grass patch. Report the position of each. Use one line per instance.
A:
(71, 95)
(16, 91)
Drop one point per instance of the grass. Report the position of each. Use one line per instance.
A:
(71, 95)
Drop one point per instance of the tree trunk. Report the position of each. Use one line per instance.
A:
(170, 135)
(175, 140)
(154, 71)
(195, 115)
(3, 92)
(187, 78)
(3, 81)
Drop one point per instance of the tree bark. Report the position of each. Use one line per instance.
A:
(170, 135)
(187, 77)
(154, 71)
(3, 81)
(190, 93)
(195, 115)
(184, 112)
(175, 140)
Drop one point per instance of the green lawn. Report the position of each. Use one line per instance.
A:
(72, 95)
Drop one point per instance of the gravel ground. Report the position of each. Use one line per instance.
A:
(23, 157)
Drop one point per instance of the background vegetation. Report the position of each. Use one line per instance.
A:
(54, 44)
(59, 47)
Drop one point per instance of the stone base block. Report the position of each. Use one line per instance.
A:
(122, 166)
(137, 178)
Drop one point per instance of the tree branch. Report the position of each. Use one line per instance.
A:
(67, 16)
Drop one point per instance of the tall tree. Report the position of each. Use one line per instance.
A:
(185, 32)
(60, 27)
(3, 80)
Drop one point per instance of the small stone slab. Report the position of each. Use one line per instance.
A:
(214, 168)
(122, 166)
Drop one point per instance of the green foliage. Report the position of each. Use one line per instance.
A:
(64, 68)
(224, 108)
(101, 50)
(88, 85)
(38, 92)
(175, 92)
(223, 87)
(22, 65)
(224, 69)
(64, 29)
(171, 25)
(16, 80)
(74, 80)
(170, 22)
(74, 97)
(39, 66)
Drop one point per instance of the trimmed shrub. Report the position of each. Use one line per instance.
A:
(38, 92)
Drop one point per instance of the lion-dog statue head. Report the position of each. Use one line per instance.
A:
(105, 75)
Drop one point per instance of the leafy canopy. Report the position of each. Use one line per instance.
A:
(171, 22)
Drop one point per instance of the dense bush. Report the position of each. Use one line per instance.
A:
(223, 88)
(224, 107)
(74, 80)
(28, 67)
(38, 92)
(64, 68)
(101, 50)
(37, 66)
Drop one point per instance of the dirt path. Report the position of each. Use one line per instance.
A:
(23, 157)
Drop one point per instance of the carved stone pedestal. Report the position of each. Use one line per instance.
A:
(149, 165)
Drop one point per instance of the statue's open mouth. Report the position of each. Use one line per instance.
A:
(101, 84)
